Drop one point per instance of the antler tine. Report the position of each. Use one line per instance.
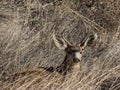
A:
(85, 37)
(63, 36)
(53, 36)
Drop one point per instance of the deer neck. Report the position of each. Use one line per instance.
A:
(65, 66)
(68, 66)
(76, 67)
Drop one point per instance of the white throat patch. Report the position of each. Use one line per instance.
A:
(78, 55)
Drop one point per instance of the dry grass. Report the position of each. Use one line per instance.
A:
(26, 27)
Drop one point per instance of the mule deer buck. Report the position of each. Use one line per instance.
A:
(73, 53)
(71, 62)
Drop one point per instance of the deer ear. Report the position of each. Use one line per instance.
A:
(60, 43)
(90, 40)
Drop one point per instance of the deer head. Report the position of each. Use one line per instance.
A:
(73, 52)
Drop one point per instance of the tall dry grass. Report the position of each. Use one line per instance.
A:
(26, 27)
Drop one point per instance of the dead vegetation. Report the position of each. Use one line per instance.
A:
(26, 28)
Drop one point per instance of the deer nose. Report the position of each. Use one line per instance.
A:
(76, 60)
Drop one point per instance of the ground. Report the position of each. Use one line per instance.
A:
(26, 28)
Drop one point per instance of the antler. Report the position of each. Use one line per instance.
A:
(63, 36)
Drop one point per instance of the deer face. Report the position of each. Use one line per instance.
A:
(73, 51)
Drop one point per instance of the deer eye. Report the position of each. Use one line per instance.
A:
(82, 49)
(70, 52)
